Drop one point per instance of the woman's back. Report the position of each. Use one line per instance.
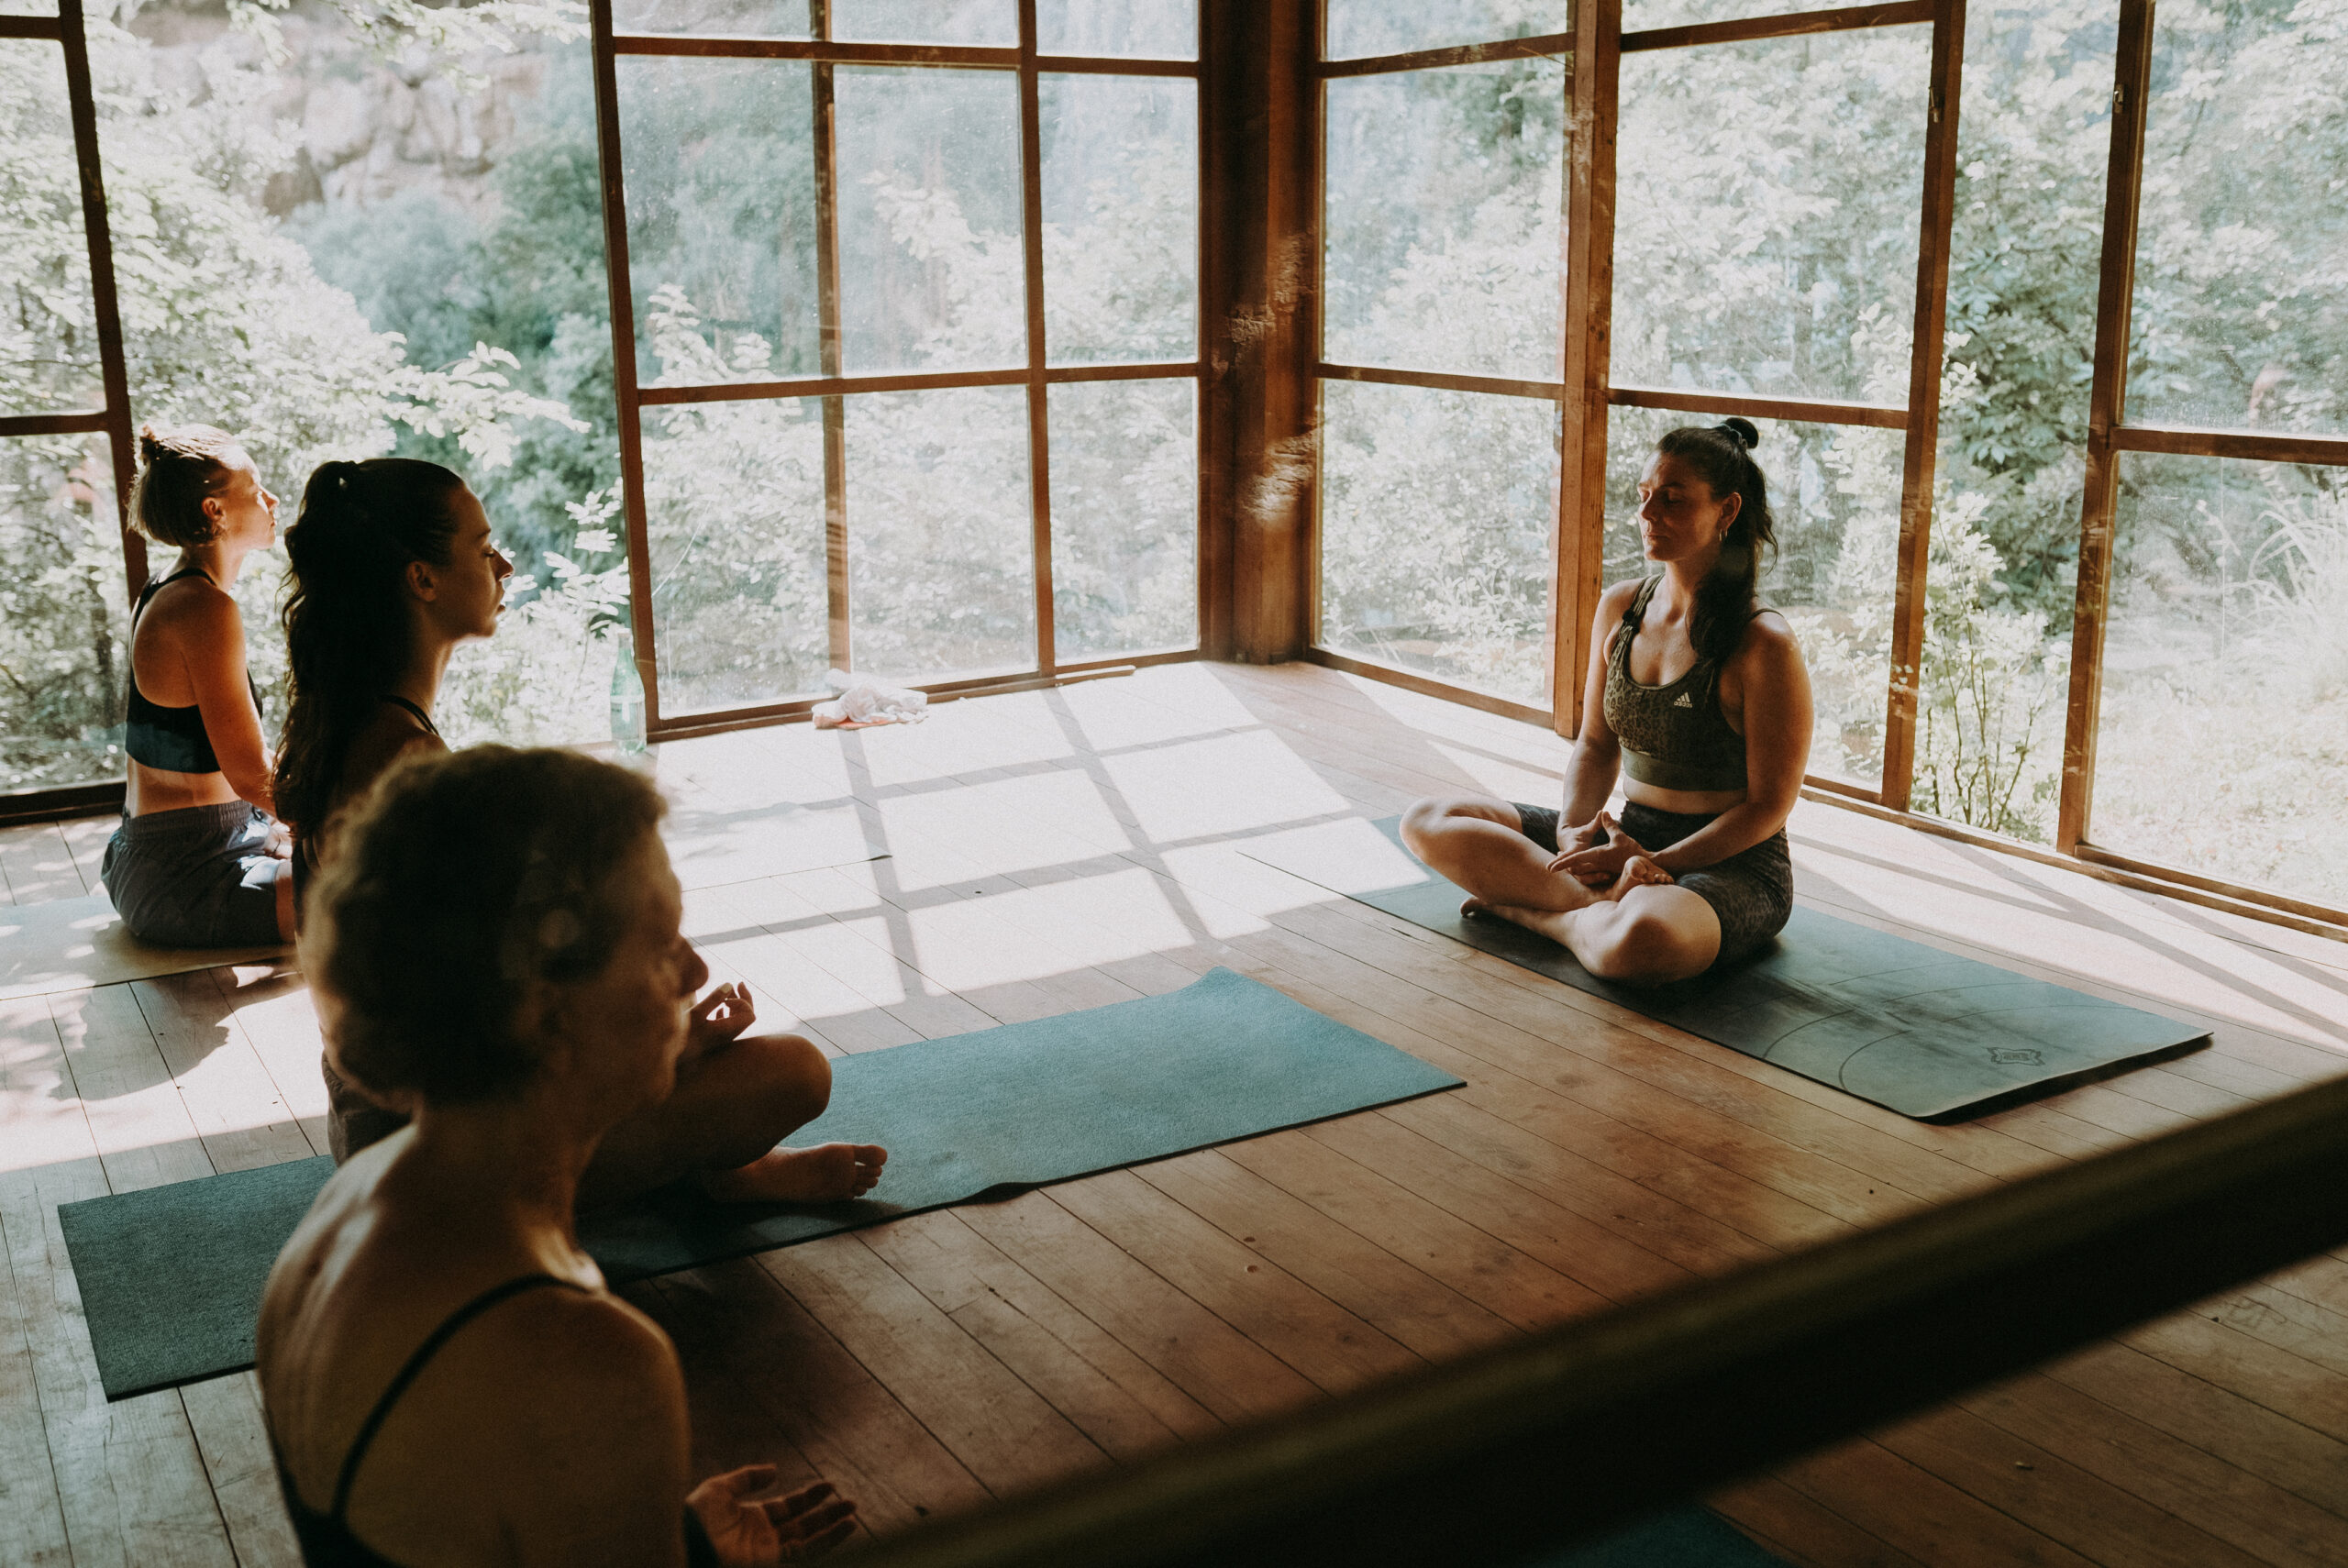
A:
(425, 1348)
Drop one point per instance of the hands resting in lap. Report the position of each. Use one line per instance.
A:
(1602, 857)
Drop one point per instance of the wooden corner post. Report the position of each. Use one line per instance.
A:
(1260, 311)
(2106, 404)
(1589, 349)
(1922, 456)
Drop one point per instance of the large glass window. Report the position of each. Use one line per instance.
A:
(2240, 311)
(64, 651)
(850, 242)
(1442, 192)
(2223, 745)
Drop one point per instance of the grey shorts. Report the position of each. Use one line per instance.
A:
(1752, 891)
(199, 877)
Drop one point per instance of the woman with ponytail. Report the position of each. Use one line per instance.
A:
(198, 861)
(393, 567)
(1698, 698)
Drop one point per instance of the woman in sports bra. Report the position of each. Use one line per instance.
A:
(393, 567)
(1698, 698)
(198, 860)
(444, 1377)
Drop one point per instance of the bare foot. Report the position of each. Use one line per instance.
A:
(1638, 872)
(824, 1173)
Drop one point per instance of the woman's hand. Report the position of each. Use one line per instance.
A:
(807, 1523)
(1598, 853)
(719, 1017)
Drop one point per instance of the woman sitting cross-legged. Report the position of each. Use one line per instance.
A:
(444, 1377)
(1699, 696)
(198, 861)
(393, 567)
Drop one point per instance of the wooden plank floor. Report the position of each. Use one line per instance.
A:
(1059, 850)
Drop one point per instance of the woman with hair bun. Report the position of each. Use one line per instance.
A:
(393, 567)
(1698, 697)
(198, 860)
(445, 1378)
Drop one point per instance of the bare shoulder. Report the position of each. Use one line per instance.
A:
(193, 609)
(1770, 637)
(572, 1361)
(1616, 601)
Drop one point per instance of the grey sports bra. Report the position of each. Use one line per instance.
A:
(1673, 737)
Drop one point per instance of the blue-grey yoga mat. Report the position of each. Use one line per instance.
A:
(171, 1276)
(1684, 1538)
(1918, 1031)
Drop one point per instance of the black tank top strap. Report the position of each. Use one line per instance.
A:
(415, 1364)
(418, 714)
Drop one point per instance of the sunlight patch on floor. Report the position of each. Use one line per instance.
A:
(1034, 932)
(1226, 784)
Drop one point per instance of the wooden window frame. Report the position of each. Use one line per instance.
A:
(112, 417)
(1585, 389)
(832, 385)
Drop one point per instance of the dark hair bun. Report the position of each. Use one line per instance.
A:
(1743, 429)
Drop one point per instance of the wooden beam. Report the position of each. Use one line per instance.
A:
(1924, 354)
(1259, 142)
(828, 385)
(44, 28)
(1147, 371)
(629, 419)
(1031, 239)
(2245, 891)
(1491, 386)
(839, 639)
(1800, 24)
(1546, 46)
(2107, 400)
(726, 46)
(113, 368)
(2253, 446)
(80, 422)
(1803, 410)
(1428, 686)
(1588, 370)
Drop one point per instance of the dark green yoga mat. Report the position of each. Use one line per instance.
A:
(1684, 1538)
(171, 1276)
(1927, 1034)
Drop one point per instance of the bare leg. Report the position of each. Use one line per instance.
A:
(1477, 843)
(1647, 932)
(732, 1106)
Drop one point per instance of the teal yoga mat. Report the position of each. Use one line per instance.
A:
(171, 1276)
(1684, 1538)
(1927, 1034)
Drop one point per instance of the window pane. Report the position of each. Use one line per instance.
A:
(931, 276)
(1121, 234)
(2242, 261)
(721, 218)
(1765, 216)
(64, 628)
(743, 18)
(734, 495)
(940, 531)
(1359, 27)
(1442, 192)
(1124, 517)
(1639, 14)
(48, 336)
(1144, 30)
(2032, 144)
(1835, 494)
(2223, 742)
(1437, 510)
(988, 22)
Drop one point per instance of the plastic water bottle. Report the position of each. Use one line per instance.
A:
(627, 699)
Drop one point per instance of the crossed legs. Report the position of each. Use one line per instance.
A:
(1641, 931)
(733, 1103)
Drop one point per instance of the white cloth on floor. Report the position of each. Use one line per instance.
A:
(863, 702)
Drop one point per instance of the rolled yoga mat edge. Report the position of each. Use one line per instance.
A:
(1931, 1034)
(170, 1277)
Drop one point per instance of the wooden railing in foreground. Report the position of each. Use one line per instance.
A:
(1567, 1433)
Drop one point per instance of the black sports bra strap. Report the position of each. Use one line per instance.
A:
(160, 584)
(420, 716)
(415, 1364)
